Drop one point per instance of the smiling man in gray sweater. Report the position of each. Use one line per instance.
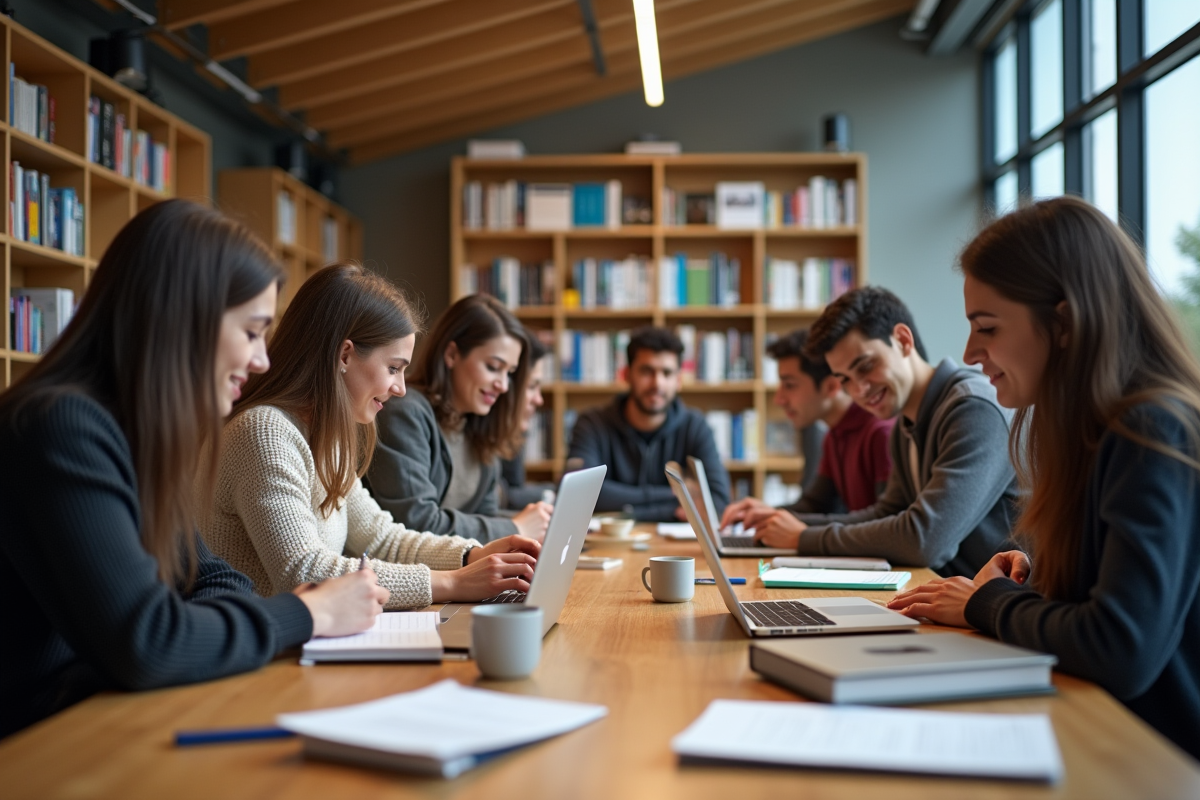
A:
(950, 501)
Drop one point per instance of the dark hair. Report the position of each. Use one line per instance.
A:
(1124, 348)
(873, 311)
(537, 348)
(470, 322)
(144, 344)
(656, 340)
(792, 346)
(342, 301)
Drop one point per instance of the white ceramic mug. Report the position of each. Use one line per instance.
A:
(672, 578)
(506, 640)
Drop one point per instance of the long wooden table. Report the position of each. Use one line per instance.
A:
(655, 666)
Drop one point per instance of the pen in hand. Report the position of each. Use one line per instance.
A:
(362, 562)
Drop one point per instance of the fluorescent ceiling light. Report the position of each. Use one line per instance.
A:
(647, 35)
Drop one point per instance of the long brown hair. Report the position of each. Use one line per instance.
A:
(473, 320)
(143, 343)
(1124, 347)
(342, 301)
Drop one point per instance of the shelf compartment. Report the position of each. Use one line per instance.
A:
(35, 61)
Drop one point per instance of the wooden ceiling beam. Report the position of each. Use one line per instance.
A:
(555, 25)
(815, 27)
(175, 14)
(446, 87)
(305, 20)
(365, 43)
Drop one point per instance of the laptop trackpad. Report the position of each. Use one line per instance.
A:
(847, 611)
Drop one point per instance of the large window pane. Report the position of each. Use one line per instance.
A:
(1046, 67)
(1099, 45)
(1166, 19)
(1172, 171)
(1047, 172)
(1006, 101)
(1006, 193)
(1100, 163)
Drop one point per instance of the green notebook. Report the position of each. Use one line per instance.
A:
(792, 578)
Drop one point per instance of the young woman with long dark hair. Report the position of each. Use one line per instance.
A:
(1068, 324)
(435, 465)
(103, 581)
(289, 505)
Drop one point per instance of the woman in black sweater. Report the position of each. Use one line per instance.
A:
(1070, 328)
(103, 581)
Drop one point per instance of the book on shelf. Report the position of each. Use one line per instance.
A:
(606, 283)
(538, 436)
(778, 493)
(31, 109)
(689, 281)
(516, 205)
(735, 435)
(511, 282)
(39, 214)
(688, 208)
(653, 148)
(548, 206)
(497, 149)
(329, 239)
(718, 356)
(739, 205)
(821, 203)
(596, 205)
(37, 316)
(811, 284)
(768, 367)
(285, 217)
(592, 356)
(152, 162)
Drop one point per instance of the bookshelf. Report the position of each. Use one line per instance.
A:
(109, 198)
(306, 230)
(752, 316)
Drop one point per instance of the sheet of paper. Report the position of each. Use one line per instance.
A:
(894, 740)
(444, 721)
(835, 577)
(392, 630)
(676, 530)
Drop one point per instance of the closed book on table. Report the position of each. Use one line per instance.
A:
(818, 578)
(901, 668)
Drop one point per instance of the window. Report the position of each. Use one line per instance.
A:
(1046, 63)
(1100, 163)
(1099, 45)
(1172, 171)
(1006, 101)
(1167, 19)
(1047, 168)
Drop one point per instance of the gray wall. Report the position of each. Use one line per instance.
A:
(915, 117)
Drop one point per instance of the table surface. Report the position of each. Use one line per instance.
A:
(656, 666)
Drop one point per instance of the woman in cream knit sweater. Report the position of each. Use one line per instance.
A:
(290, 507)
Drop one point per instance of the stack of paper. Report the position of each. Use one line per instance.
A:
(443, 729)
(395, 636)
(1011, 746)
(791, 578)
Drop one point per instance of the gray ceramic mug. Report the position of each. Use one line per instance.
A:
(672, 578)
(506, 640)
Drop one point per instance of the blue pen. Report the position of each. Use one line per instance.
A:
(711, 581)
(223, 735)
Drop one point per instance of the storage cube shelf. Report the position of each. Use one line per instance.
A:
(109, 199)
(752, 317)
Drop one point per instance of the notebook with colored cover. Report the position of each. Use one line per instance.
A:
(793, 578)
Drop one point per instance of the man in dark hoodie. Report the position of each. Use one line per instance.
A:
(950, 501)
(640, 431)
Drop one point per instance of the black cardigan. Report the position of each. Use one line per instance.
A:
(84, 607)
(1131, 622)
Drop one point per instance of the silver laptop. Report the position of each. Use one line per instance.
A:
(812, 615)
(577, 495)
(735, 542)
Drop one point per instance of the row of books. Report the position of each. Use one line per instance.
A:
(41, 215)
(716, 356)
(605, 283)
(539, 436)
(592, 356)
(38, 316)
(30, 107)
(748, 205)
(515, 205)
(735, 435)
(513, 283)
(111, 143)
(712, 281)
(823, 203)
(791, 285)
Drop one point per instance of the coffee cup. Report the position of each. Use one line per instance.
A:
(672, 578)
(506, 640)
(616, 527)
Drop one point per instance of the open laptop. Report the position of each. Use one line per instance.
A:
(812, 615)
(577, 495)
(736, 542)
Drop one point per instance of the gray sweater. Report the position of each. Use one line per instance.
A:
(960, 510)
(411, 470)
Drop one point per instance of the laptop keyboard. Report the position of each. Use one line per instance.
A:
(507, 596)
(738, 541)
(784, 614)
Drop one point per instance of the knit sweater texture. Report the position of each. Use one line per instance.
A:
(266, 519)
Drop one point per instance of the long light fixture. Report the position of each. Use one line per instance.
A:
(647, 36)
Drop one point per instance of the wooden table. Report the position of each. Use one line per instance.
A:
(655, 666)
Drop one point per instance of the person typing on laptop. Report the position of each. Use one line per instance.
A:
(950, 502)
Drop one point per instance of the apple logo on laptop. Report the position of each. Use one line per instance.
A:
(567, 547)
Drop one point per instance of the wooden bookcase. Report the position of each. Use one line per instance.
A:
(109, 199)
(253, 195)
(648, 177)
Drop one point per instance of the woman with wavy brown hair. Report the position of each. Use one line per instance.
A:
(290, 507)
(1070, 328)
(436, 463)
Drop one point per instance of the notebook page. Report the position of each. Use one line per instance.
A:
(895, 740)
(835, 576)
(393, 630)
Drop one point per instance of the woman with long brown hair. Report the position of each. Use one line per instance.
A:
(436, 463)
(103, 582)
(1068, 325)
(289, 504)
